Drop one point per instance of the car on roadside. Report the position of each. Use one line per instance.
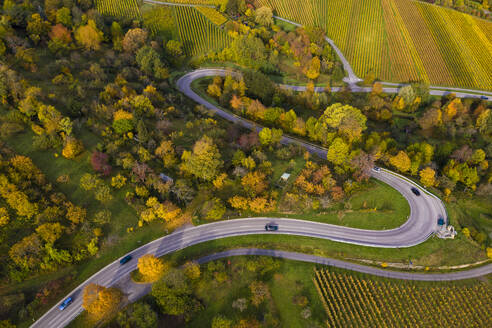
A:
(415, 191)
(271, 227)
(65, 303)
(377, 168)
(125, 259)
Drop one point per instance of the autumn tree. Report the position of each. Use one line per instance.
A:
(348, 121)
(254, 183)
(431, 118)
(134, 39)
(363, 164)
(264, 16)
(427, 177)
(50, 232)
(401, 161)
(26, 253)
(75, 214)
(99, 301)
(4, 216)
(338, 152)
(270, 136)
(151, 268)
(166, 152)
(72, 148)
(89, 36)
(313, 71)
(259, 291)
(204, 161)
(99, 162)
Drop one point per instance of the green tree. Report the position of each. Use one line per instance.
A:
(204, 161)
(37, 27)
(137, 315)
(249, 51)
(173, 294)
(174, 48)
(64, 16)
(150, 63)
(220, 321)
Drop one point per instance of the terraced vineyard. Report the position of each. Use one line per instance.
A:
(352, 301)
(118, 8)
(402, 40)
(213, 15)
(197, 33)
(197, 28)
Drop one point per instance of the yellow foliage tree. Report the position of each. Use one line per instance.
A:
(401, 161)
(254, 183)
(151, 268)
(99, 301)
(214, 90)
(72, 148)
(89, 36)
(122, 115)
(50, 232)
(4, 216)
(312, 72)
(239, 202)
(427, 177)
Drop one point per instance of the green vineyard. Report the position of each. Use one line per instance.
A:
(352, 301)
(401, 40)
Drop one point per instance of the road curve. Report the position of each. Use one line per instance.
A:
(422, 223)
(451, 276)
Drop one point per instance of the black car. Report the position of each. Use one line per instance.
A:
(415, 191)
(271, 227)
(125, 259)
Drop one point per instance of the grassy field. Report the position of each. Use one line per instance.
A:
(377, 207)
(402, 40)
(358, 301)
(433, 253)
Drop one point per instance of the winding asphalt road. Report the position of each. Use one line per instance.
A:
(422, 223)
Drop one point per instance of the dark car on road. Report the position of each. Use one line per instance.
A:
(271, 227)
(65, 303)
(440, 221)
(377, 168)
(415, 191)
(125, 259)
